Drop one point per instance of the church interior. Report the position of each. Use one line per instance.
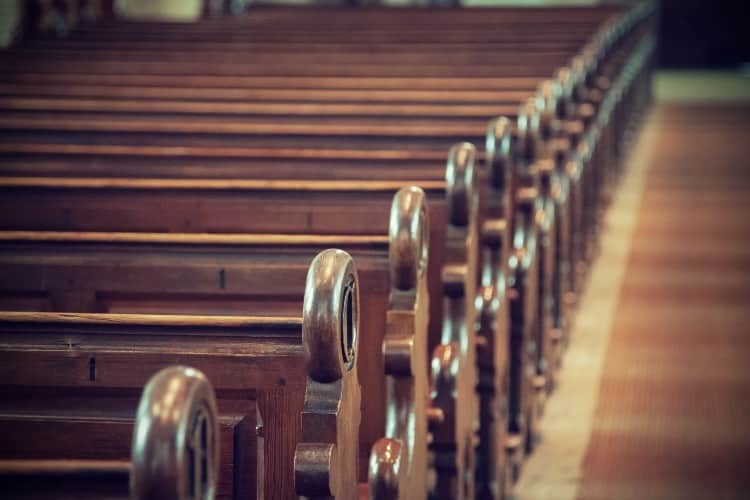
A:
(386, 250)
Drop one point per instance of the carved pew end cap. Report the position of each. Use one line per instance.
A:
(386, 470)
(175, 440)
(330, 316)
(409, 235)
(461, 188)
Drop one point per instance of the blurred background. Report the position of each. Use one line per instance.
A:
(694, 33)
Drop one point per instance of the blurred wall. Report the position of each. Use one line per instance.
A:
(8, 20)
(186, 10)
(704, 34)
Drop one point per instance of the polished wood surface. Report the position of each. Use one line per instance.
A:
(117, 351)
(173, 457)
(201, 180)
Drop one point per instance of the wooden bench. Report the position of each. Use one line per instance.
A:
(323, 209)
(449, 23)
(241, 274)
(78, 104)
(334, 109)
(501, 184)
(292, 218)
(299, 373)
(174, 457)
(315, 165)
(540, 344)
(528, 212)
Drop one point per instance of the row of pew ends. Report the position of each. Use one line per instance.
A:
(468, 279)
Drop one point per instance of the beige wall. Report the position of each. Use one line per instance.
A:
(160, 9)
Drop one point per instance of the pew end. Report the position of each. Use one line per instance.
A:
(175, 441)
(387, 470)
(325, 461)
(399, 462)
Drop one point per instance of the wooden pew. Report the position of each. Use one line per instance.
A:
(291, 219)
(499, 18)
(23, 273)
(407, 110)
(501, 184)
(300, 373)
(325, 218)
(437, 319)
(254, 98)
(243, 171)
(427, 39)
(247, 274)
(175, 457)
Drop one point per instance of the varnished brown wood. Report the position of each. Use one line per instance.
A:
(399, 465)
(325, 461)
(454, 368)
(489, 228)
(173, 457)
(175, 439)
(462, 197)
(256, 279)
(231, 341)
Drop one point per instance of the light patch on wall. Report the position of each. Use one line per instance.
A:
(182, 10)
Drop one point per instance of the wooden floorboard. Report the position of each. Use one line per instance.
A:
(654, 398)
(672, 419)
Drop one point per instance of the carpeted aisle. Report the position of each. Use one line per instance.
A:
(672, 420)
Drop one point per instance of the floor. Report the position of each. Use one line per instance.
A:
(654, 401)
